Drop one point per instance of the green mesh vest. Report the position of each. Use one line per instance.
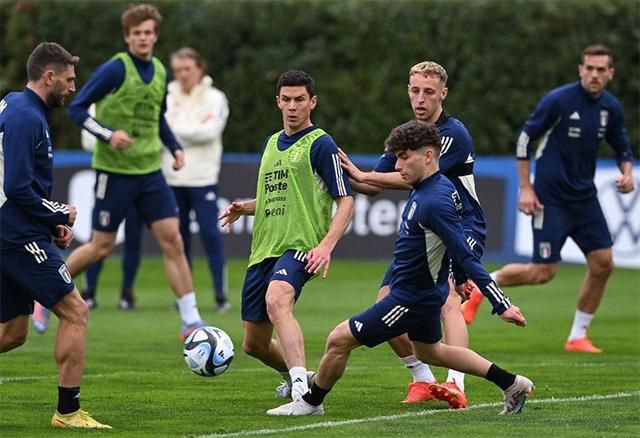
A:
(293, 211)
(134, 108)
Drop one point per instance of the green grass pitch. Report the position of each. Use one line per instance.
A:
(136, 379)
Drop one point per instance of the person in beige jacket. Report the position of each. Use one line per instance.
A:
(197, 114)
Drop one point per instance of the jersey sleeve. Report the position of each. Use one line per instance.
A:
(24, 135)
(443, 220)
(617, 136)
(456, 153)
(543, 117)
(166, 134)
(106, 79)
(326, 163)
(386, 163)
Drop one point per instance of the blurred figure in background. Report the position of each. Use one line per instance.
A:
(197, 114)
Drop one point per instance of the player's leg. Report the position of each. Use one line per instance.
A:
(205, 204)
(133, 228)
(258, 342)
(91, 277)
(515, 388)
(99, 247)
(456, 334)
(592, 236)
(13, 333)
(157, 206)
(184, 210)
(419, 389)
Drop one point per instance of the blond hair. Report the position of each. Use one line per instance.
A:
(428, 68)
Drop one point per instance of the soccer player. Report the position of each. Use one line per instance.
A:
(293, 233)
(571, 120)
(30, 266)
(130, 95)
(430, 233)
(427, 90)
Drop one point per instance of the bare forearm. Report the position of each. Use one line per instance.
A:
(248, 207)
(340, 221)
(626, 168)
(365, 189)
(388, 180)
(524, 174)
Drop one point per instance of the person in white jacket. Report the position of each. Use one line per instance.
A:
(197, 114)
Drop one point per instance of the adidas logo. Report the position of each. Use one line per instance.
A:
(358, 325)
(282, 272)
(574, 116)
(298, 380)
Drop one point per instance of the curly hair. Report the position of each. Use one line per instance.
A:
(413, 135)
(295, 78)
(136, 14)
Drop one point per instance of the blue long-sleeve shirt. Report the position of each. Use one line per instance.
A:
(26, 158)
(430, 234)
(571, 124)
(106, 80)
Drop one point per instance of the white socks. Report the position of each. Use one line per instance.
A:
(189, 308)
(456, 377)
(299, 384)
(420, 371)
(580, 325)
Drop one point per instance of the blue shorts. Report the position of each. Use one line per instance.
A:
(583, 221)
(475, 240)
(391, 317)
(116, 193)
(289, 267)
(34, 272)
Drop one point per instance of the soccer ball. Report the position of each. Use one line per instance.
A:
(208, 351)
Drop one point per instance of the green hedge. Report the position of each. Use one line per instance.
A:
(502, 56)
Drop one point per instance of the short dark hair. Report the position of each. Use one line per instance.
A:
(598, 49)
(48, 55)
(413, 135)
(188, 52)
(136, 14)
(295, 78)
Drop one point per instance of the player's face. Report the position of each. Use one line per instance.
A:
(412, 165)
(141, 39)
(296, 107)
(60, 84)
(595, 72)
(186, 72)
(426, 94)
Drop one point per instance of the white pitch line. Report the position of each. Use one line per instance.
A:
(351, 368)
(329, 424)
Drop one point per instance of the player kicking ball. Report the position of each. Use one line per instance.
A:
(430, 235)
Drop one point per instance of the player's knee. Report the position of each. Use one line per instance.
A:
(278, 306)
(336, 342)
(103, 249)
(602, 267)
(172, 244)
(9, 341)
(543, 273)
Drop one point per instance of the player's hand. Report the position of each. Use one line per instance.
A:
(230, 214)
(356, 174)
(319, 258)
(529, 203)
(73, 214)
(465, 289)
(63, 237)
(120, 140)
(178, 161)
(624, 184)
(514, 316)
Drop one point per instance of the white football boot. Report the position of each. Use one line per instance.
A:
(296, 408)
(516, 395)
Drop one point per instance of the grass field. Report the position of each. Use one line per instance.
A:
(136, 379)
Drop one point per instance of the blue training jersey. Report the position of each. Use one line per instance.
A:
(324, 161)
(430, 234)
(456, 163)
(571, 124)
(26, 172)
(106, 80)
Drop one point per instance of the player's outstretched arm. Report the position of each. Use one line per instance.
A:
(382, 180)
(233, 212)
(320, 256)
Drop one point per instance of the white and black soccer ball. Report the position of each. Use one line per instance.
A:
(208, 351)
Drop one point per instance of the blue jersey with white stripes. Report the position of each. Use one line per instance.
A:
(430, 234)
(456, 163)
(571, 124)
(324, 160)
(106, 80)
(26, 172)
